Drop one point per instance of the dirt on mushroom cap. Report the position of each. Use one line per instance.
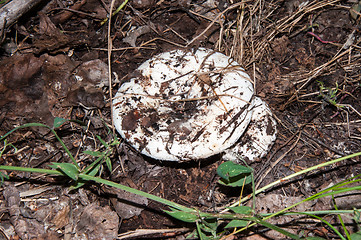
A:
(259, 136)
(185, 105)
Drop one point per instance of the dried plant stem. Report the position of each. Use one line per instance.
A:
(110, 46)
(215, 20)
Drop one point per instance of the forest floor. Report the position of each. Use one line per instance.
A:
(303, 56)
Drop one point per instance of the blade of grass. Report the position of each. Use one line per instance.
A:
(115, 12)
(325, 222)
(135, 191)
(278, 229)
(340, 219)
(34, 170)
(293, 176)
(52, 130)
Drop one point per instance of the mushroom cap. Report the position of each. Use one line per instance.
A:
(259, 136)
(184, 105)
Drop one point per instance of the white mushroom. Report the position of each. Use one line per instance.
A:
(187, 105)
(258, 138)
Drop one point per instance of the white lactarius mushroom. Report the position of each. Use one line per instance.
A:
(187, 105)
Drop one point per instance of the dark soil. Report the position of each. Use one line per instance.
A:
(292, 49)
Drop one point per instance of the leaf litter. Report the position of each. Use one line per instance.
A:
(40, 80)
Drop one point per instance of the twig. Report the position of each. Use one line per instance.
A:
(68, 13)
(215, 20)
(145, 232)
(316, 72)
(162, 39)
(13, 10)
(122, 49)
(278, 160)
(110, 46)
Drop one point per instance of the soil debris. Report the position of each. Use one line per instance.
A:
(303, 58)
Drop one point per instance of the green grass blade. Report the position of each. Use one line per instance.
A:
(51, 129)
(278, 229)
(242, 210)
(23, 126)
(340, 219)
(115, 12)
(93, 165)
(58, 122)
(183, 216)
(65, 147)
(109, 164)
(102, 141)
(135, 191)
(237, 223)
(34, 170)
(356, 236)
(325, 222)
(282, 180)
(93, 153)
(3, 176)
(67, 168)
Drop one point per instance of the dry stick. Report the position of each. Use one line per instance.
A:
(122, 49)
(144, 232)
(253, 57)
(215, 20)
(110, 46)
(279, 159)
(162, 39)
(61, 20)
(169, 28)
(13, 10)
(316, 73)
(288, 21)
(278, 149)
(68, 13)
(240, 35)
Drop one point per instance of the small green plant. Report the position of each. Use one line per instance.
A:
(331, 94)
(115, 12)
(206, 225)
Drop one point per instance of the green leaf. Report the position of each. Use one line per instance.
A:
(201, 234)
(115, 141)
(58, 122)
(183, 216)
(356, 236)
(103, 142)
(229, 169)
(68, 168)
(209, 225)
(242, 210)
(193, 235)
(23, 126)
(278, 229)
(355, 10)
(237, 223)
(94, 170)
(93, 153)
(2, 177)
(237, 181)
(356, 216)
(91, 172)
(109, 164)
(315, 238)
(78, 184)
